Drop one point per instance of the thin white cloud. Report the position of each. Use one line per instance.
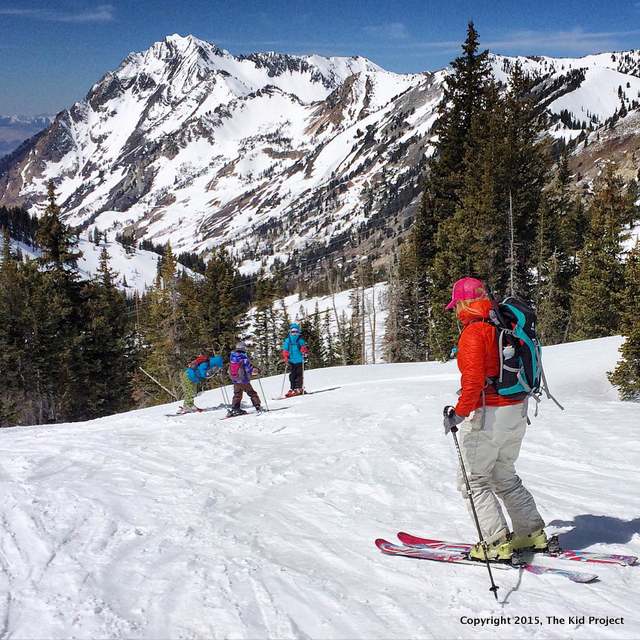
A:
(570, 40)
(530, 41)
(388, 31)
(99, 13)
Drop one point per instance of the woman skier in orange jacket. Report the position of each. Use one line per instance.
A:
(491, 431)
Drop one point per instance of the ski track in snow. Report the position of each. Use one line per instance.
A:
(144, 526)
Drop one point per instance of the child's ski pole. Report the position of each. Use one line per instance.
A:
(263, 394)
(284, 377)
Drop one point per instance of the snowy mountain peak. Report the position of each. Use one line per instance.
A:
(270, 153)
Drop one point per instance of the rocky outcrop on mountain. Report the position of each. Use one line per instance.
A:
(271, 155)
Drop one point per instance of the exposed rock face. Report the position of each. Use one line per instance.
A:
(269, 154)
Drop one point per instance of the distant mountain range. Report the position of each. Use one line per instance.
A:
(277, 155)
(14, 130)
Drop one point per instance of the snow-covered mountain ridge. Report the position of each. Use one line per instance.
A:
(143, 526)
(135, 268)
(269, 154)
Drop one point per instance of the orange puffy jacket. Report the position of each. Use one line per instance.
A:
(478, 360)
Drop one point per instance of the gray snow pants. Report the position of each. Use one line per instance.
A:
(490, 441)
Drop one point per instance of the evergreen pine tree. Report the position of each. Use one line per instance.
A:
(552, 305)
(162, 329)
(267, 328)
(220, 295)
(54, 326)
(391, 342)
(561, 226)
(463, 101)
(310, 326)
(626, 375)
(597, 287)
(107, 345)
(13, 361)
(56, 240)
(633, 196)
(330, 355)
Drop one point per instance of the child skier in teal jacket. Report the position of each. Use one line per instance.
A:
(294, 352)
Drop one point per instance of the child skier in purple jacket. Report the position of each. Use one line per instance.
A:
(240, 371)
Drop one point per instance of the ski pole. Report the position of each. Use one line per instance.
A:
(146, 373)
(223, 391)
(493, 586)
(284, 377)
(263, 394)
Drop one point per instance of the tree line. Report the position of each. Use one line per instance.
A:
(72, 349)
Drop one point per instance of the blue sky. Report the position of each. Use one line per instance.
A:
(51, 53)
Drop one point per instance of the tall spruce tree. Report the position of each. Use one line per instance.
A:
(596, 290)
(57, 241)
(162, 327)
(13, 359)
(220, 294)
(108, 347)
(552, 302)
(626, 375)
(311, 332)
(330, 355)
(267, 328)
(54, 327)
(490, 233)
(463, 102)
(560, 235)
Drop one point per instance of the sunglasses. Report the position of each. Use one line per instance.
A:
(294, 331)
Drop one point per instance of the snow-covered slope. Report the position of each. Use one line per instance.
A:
(590, 89)
(270, 153)
(135, 268)
(144, 526)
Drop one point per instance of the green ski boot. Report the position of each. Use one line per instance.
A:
(534, 541)
(499, 550)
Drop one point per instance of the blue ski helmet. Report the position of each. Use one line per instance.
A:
(294, 327)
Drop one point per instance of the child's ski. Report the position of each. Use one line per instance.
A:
(306, 393)
(253, 413)
(194, 411)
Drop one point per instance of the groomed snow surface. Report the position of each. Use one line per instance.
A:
(146, 526)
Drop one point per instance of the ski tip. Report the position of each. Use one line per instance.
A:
(584, 578)
(403, 536)
(381, 543)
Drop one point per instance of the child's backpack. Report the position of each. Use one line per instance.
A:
(236, 367)
(520, 374)
(194, 364)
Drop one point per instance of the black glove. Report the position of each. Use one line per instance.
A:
(451, 419)
(211, 372)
